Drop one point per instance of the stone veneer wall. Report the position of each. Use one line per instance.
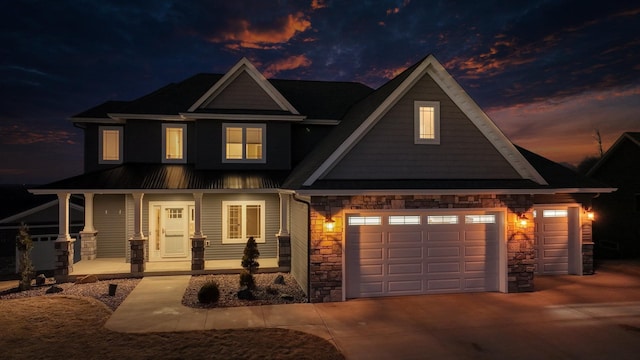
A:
(587, 247)
(326, 247)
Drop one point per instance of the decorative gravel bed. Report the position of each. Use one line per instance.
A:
(266, 292)
(97, 290)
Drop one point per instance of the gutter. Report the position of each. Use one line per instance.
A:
(308, 243)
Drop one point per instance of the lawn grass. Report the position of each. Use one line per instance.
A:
(59, 327)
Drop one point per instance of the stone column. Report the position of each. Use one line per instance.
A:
(88, 235)
(587, 247)
(64, 243)
(198, 239)
(520, 254)
(137, 241)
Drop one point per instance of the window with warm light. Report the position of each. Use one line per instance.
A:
(174, 143)
(427, 122)
(244, 142)
(241, 220)
(110, 144)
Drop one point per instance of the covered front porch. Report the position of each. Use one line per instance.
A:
(119, 267)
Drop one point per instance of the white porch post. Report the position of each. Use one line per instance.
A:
(284, 240)
(137, 241)
(284, 214)
(88, 235)
(64, 243)
(198, 239)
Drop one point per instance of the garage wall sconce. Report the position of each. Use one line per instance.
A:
(523, 220)
(329, 224)
(590, 215)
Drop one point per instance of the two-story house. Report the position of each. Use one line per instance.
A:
(406, 189)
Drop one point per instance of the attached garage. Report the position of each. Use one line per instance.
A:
(422, 252)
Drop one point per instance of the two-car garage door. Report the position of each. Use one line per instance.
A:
(392, 253)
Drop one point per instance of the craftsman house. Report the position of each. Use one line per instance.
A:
(406, 189)
(617, 231)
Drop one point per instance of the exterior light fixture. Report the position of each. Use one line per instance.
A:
(523, 220)
(591, 215)
(329, 224)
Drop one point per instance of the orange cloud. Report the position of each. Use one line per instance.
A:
(20, 135)
(318, 4)
(393, 11)
(244, 35)
(290, 63)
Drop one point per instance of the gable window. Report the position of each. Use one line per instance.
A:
(241, 220)
(244, 142)
(110, 143)
(426, 122)
(174, 143)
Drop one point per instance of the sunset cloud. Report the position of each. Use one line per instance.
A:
(21, 135)
(318, 4)
(244, 34)
(290, 63)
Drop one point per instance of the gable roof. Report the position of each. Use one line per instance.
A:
(364, 115)
(632, 137)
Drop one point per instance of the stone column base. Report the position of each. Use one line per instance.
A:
(137, 256)
(197, 252)
(284, 252)
(587, 258)
(88, 245)
(64, 259)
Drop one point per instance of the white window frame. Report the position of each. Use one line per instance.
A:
(165, 127)
(101, 130)
(244, 128)
(436, 122)
(364, 220)
(243, 238)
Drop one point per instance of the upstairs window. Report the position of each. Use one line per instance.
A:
(174, 141)
(427, 122)
(110, 143)
(244, 142)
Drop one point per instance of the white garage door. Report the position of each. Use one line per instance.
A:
(421, 253)
(551, 241)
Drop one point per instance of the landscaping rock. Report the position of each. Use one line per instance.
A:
(54, 289)
(286, 297)
(87, 279)
(40, 280)
(245, 294)
(279, 280)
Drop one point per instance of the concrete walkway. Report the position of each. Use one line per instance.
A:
(568, 317)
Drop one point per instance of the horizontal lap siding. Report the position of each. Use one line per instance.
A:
(110, 222)
(463, 151)
(299, 244)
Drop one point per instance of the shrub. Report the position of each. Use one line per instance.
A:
(209, 293)
(247, 280)
(272, 291)
(251, 255)
(24, 244)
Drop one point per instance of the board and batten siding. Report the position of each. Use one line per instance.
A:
(110, 221)
(300, 244)
(388, 151)
(243, 93)
(212, 226)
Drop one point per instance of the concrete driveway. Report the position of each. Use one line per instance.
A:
(568, 317)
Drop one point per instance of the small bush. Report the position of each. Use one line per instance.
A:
(209, 293)
(250, 256)
(247, 280)
(272, 291)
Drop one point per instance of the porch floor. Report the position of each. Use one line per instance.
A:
(119, 266)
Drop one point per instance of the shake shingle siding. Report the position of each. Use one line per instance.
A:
(110, 222)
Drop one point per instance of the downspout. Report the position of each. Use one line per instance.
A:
(308, 243)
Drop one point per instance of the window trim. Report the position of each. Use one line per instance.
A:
(436, 122)
(165, 127)
(243, 237)
(244, 128)
(101, 130)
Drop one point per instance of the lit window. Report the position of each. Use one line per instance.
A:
(364, 220)
(554, 213)
(174, 142)
(110, 143)
(241, 220)
(442, 219)
(427, 122)
(244, 143)
(480, 219)
(404, 220)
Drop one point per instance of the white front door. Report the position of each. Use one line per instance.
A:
(171, 225)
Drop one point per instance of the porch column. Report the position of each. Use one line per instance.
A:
(88, 235)
(137, 240)
(284, 239)
(198, 239)
(64, 243)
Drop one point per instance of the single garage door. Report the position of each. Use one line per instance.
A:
(390, 254)
(551, 241)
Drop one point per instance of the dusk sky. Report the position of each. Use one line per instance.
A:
(549, 73)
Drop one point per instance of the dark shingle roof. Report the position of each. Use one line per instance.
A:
(173, 176)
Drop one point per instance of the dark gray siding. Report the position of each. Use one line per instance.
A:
(388, 150)
(110, 222)
(143, 141)
(300, 244)
(243, 93)
(212, 226)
